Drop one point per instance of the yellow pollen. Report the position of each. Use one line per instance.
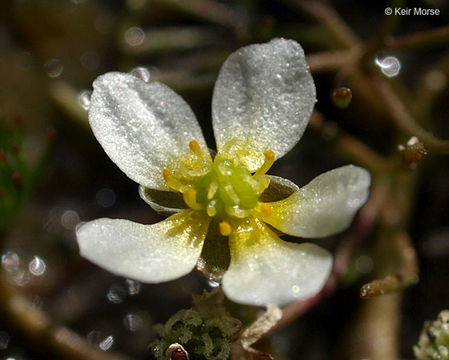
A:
(189, 196)
(195, 148)
(171, 181)
(225, 228)
(265, 208)
(269, 160)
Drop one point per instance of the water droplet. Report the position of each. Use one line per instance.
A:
(116, 294)
(212, 283)
(134, 36)
(105, 197)
(70, 219)
(10, 261)
(107, 343)
(133, 322)
(342, 97)
(4, 340)
(84, 99)
(389, 66)
(295, 289)
(54, 68)
(37, 266)
(133, 286)
(141, 73)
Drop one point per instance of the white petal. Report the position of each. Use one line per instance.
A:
(267, 270)
(263, 97)
(148, 253)
(323, 207)
(142, 126)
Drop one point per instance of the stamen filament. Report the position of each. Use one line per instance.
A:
(232, 194)
(210, 209)
(171, 181)
(213, 187)
(190, 199)
(269, 160)
(225, 228)
(195, 148)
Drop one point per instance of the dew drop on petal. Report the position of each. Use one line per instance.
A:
(141, 73)
(10, 261)
(84, 98)
(107, 343)
(133, 286)
(37, 266)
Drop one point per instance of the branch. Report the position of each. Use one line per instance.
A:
(419, 40)
(405, 121)
(349, 146)
(331, 20)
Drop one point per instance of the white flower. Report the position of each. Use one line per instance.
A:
(262, 102)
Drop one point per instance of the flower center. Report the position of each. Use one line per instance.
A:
(223, 187)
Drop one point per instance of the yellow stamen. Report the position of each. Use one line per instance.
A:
(269, 160)
(189, 196)
(195, 148)
(210, 209)
(265, 208)
(225, 228)
(231, 193)
(213, 187)
(171, 181)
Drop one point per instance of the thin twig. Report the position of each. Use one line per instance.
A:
(331, 20)
(404, 120)
(351, 147)
(332, 60)
(424, 39)
(37, 326)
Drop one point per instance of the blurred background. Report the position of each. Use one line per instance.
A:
(53, 173)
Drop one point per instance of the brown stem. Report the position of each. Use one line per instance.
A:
(332, 60)
(349, 146)
(38, 327)
(331, 20)
(404, 120)
(419, 40)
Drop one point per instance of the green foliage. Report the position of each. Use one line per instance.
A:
(204, 331)
(434, 340)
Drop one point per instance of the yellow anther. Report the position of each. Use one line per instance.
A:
(195, 148)
(171, 181)
(225, 228)
(265, 208)
(210, 209)
(189, 196)
(269, 160)
(213, 187)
